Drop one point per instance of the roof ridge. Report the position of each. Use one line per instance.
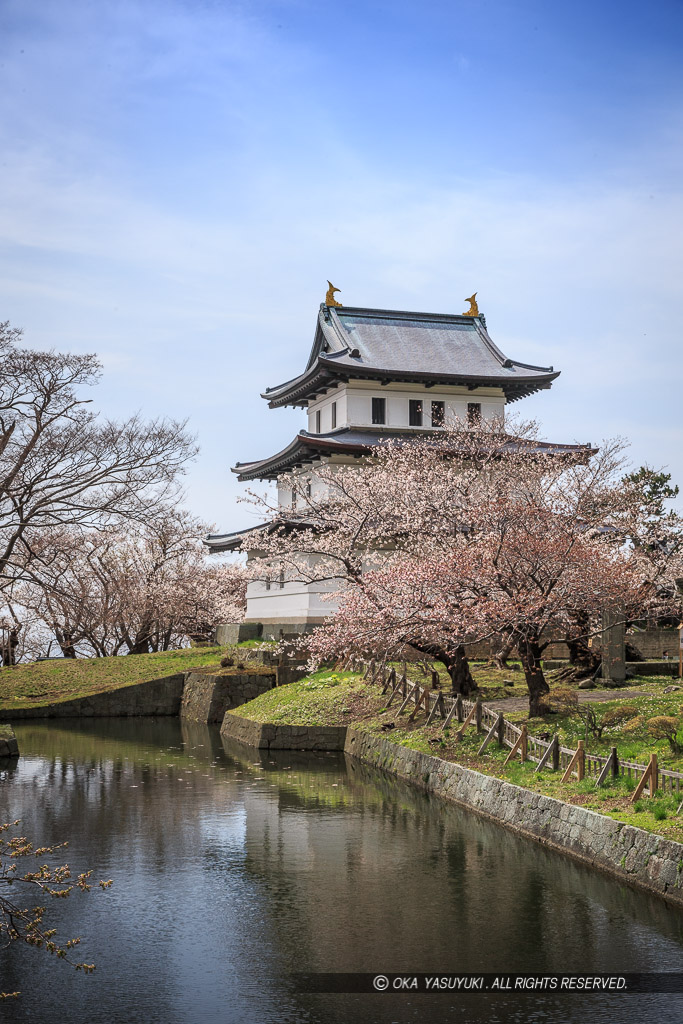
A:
(401, 314)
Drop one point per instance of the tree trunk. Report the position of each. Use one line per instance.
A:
(9, 656)
(66, 643)
(583, 660)
(458, 667)
(500, 658)
(530, 652)
(143, 639)
(140, 646)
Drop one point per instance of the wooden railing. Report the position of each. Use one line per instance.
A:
(459, 712)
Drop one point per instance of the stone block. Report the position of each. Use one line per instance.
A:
(8, 742)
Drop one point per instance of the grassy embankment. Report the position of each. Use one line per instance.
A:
(51, 682)
(343, 698)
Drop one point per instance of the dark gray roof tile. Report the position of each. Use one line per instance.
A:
(371, 344)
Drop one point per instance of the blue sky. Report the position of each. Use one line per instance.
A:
(179, 179)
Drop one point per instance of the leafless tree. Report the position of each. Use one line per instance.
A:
(62, 465)
(151, 588)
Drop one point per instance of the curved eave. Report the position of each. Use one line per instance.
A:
(330, 371)
(217, 542)
(268, 469)
(300, 389)
(306, 448)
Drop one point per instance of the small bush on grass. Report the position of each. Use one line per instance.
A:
(666, 727)
(634, 726)
(564, 700)
(617, 716)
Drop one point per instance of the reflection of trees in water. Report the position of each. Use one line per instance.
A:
(420, 881)
(106, 785)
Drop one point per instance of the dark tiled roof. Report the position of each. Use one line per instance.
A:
(228, 541)
(216, 542)
(392, 345)
(307, 448)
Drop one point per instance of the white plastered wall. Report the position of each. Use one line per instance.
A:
(293, 602)
(354, 404)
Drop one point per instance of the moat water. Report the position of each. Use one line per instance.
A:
(234, 868)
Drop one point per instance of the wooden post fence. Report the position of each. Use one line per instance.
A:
(461, 732)
(649, 775)
(434, 702)
(497, 730)
(390, 680)
(406, 701)
(440, 706)
(450, 715)
(611, 767)
(552, 754)
(519, 744)
(577, 762)
(422, 698)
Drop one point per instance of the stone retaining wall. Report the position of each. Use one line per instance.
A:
(639, 857)
(283, 737)
(154, 697)
(206, 698)
(235, 632)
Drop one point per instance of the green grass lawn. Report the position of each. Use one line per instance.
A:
(48, 682)
(324, 698)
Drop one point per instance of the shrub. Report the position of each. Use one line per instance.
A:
(659, 812)
(564, 699)
(638, 806)
(593, 723)
(634, 725)
(618, 715)
(665, 727)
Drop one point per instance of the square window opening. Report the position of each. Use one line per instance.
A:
(379, 410)
(473, 414)
(415, 413)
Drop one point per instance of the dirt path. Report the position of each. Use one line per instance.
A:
(597, 696)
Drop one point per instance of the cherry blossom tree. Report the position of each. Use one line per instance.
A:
(152, 588)
(441, 541)
(20, 886)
